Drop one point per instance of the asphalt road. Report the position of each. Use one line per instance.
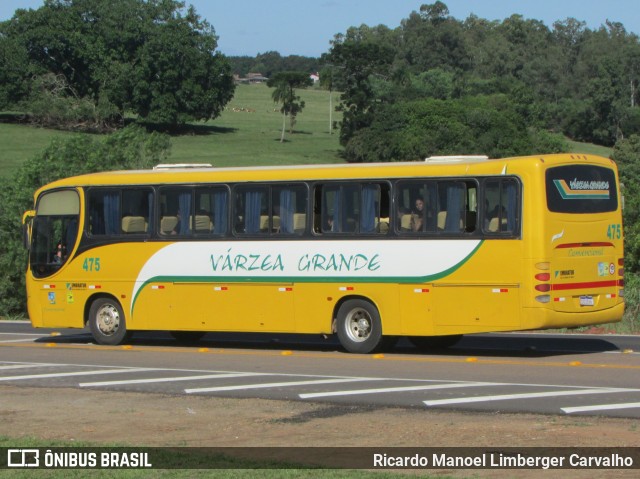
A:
(524, 372)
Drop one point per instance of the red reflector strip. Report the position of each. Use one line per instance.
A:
(587, 285)
(500, 290)
(157, 286)
(94, 286)
(421, 290)
(49, 286)
(220, 288)
(559, 300)
(611, 296)
(346, 288)
(285, 290)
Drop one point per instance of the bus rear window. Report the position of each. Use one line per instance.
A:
(581, 189)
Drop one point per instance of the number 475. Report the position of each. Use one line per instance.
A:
(91, 264)
(614, 231)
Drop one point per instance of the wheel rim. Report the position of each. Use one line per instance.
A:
(108, 319)
(358, 325)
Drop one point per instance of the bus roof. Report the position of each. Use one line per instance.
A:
(206, 174)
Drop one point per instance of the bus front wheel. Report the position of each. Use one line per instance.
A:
(107, 323)
(359, 327)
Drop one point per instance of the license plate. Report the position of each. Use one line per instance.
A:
(587, 301)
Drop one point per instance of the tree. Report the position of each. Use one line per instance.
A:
(413, 130)
(360, 55)
(154, 57)
(626, 154)
(284, 92)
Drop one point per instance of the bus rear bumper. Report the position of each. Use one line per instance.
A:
(543, 318)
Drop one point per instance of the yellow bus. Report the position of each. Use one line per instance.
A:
(431, 250)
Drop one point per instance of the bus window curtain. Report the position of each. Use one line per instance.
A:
(184, 206)
(111, 204)
(150, 215)
(338, 215)
(431, 206)
(220, 208)
(253, 201)
(286, 211)
(368, 217)
(512, 194)
(71, 233)
(97, 219)
(455, 204)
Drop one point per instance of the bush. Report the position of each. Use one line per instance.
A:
(631, 320)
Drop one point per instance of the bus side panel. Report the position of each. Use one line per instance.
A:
(416, 309)
(484, 294)
(314, 305)
(57, 304)
(476, 308)
(259, 307)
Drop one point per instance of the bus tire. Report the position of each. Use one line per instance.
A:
(107, 322)
(359, 327)
(427, 343)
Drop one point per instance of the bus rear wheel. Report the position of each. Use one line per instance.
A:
(359, 327)
(107, 323)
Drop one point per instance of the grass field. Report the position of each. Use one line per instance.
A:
(247, 133)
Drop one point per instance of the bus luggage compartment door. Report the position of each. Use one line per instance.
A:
(476, 307)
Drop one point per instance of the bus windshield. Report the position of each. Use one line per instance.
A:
(54, 231)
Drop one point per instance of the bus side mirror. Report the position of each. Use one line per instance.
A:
(27, 218)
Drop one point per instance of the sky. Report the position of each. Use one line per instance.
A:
(305, 27)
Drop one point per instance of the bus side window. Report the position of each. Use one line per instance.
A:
(289, 206)
(501, 206)
(176, 211)
(416, 204)
(251, 215)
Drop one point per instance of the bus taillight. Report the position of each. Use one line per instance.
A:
(543, 286)
(621, 279)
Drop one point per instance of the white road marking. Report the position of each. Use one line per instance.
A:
(17, 341)
(77, 373)
(275, 385)
(24, 366)
(504, 397)
(601, 407)
(22, 334)
(397, 389)
(172, 379)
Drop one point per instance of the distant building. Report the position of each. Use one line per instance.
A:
(251, 77)
(315, 77)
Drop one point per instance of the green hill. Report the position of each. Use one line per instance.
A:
(247, 133)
